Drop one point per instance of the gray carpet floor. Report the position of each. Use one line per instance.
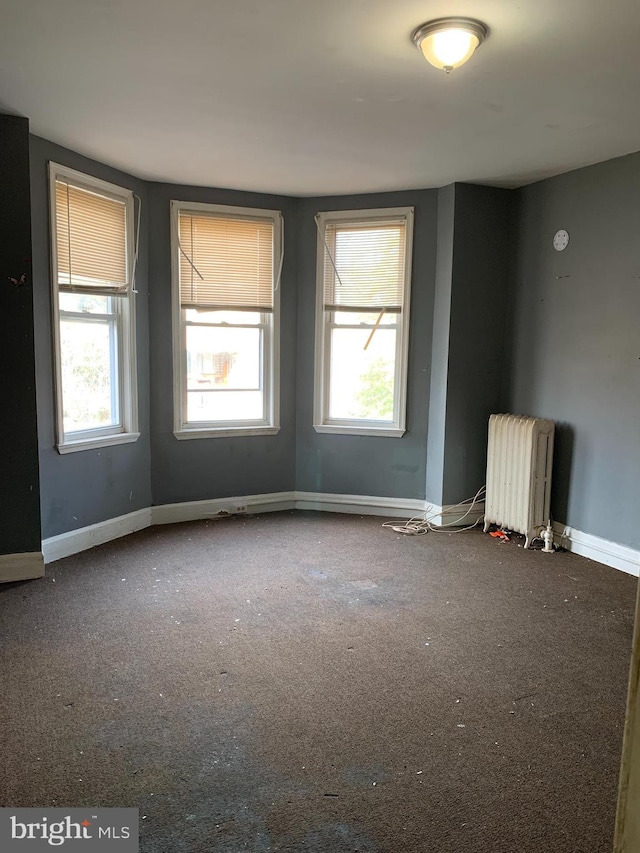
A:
(312, 682)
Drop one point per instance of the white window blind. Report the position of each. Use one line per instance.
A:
(91, 240)
(364, 266)
(226, 262)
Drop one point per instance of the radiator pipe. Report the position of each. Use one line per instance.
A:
(547, 538)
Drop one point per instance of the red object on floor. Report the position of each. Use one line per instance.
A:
(500, 534)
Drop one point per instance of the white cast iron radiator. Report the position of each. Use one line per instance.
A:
(519, 460)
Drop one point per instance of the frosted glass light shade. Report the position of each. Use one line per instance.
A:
(449, 48)
(448, 43)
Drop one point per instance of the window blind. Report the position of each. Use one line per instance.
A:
(364, 266)
(91, 232)
(225, 262)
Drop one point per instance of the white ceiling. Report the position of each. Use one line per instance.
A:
(317, 97)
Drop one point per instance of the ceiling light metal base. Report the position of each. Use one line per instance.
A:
(471, 25)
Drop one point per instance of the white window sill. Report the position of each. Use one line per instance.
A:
(386, 432)
(225, 432)
(99, 441)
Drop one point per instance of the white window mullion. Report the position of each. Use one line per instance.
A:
(184, 368)
(115, 348)
(326, 366)
(399, 377)
(264, 375)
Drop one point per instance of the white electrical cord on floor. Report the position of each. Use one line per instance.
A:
(421, 524)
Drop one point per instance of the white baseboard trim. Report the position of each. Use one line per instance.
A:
(277, 501)
(359, 504)
(65, 544)
(75, 541)
(21, 567)
(601, 550)
(221, 507)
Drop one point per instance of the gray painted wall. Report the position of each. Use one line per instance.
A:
(198, 469)
(82, 488)
(468, 339)
(436, 437)
(367, 465)
(476, 333)
(19, 496)
(575, 340)
(572, 355)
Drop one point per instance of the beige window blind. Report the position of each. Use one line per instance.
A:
(225, 262)
(364, 266)
(91, 239)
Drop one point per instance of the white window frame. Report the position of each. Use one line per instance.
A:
(123, 319)
(322, 423)
(270, 326)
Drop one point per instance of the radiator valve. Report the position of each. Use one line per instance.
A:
(547, 538)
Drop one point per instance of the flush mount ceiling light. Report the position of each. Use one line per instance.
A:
(447, 43)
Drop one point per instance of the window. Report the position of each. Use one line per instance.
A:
(364, 275)
(93, 264)
(226, 267)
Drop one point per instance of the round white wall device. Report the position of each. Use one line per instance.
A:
(560, 240)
